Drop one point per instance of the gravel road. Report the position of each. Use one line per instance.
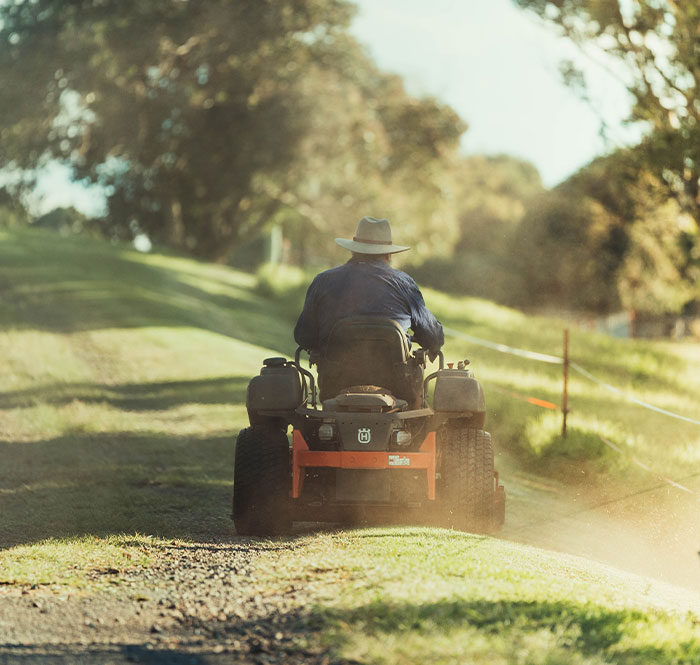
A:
(200, 603)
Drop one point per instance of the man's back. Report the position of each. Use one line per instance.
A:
(365, 286)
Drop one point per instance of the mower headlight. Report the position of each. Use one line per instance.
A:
(402, 437)
(326, 432)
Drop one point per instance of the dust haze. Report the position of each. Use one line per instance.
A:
(651, 532)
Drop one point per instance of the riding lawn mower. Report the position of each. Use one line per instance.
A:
(373, 440)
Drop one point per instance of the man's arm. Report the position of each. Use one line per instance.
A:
(306, 329)
(427, 330)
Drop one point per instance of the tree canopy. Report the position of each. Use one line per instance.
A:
(491, 194)
(608, 237)
(205, 121)
(653, 46)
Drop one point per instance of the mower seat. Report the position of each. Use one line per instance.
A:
(369, 351)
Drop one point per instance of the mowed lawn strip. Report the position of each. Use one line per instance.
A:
(123, 389)
(421, 595)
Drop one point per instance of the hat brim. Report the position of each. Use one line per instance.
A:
(367, 248)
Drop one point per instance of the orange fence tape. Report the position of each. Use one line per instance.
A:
(530, 400)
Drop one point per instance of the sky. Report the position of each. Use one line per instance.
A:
(497, 66)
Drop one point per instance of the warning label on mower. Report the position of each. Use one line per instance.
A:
(398, 460)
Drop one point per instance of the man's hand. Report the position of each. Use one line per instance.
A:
(313, 358)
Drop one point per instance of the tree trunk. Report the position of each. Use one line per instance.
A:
(632, 319)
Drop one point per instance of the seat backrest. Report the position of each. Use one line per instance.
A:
(364, 350)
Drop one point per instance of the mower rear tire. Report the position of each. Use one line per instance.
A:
(467, 480)
(261, 482)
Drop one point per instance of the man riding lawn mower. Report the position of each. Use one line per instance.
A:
(373, 446)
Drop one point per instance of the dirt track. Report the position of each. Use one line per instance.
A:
(199, 604)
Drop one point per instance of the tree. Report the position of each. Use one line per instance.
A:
(65, 221)
(653, 45)
(372, 150)
(653, 277)
(489, 194)
(205, 122)
(565, 253)
(608, 237)
(493, 193)
(12, 210)
(186, 112)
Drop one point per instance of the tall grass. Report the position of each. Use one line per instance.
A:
(663, 373)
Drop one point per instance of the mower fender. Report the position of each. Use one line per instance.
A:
(458, 392)
(276, 389)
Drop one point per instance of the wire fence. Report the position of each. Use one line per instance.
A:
(584, 372)
(556, 360)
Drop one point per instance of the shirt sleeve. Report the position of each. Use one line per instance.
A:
(306, 329)
(427, 330)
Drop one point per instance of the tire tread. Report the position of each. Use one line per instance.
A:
(467, 479)
(261, 482)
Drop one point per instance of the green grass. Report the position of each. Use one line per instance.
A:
(124, 378)
(136, 366)
(416, 595)
(90, 557)
(661, 373)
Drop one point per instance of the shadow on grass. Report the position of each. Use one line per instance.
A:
(116, 483)
(133, 396)
(108, 655)
(584, 629)
(302, 635)
(511, 630)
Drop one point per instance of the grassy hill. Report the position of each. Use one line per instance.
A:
(122, 390)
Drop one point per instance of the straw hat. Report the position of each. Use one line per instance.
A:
(373, 236)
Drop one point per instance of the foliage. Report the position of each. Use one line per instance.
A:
(207, 121)
(582, 450)
(65, 221)
(657, 276)
(373, 150)
(653, 47)
(180, 109)
(480, 274)
(12, 211)
(564, 253)
(607, 237)
(491, 195)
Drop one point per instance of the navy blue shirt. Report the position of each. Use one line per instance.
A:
(365, 287)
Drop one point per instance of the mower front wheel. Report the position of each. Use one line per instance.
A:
(261, 482)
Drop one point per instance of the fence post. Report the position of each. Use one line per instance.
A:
(565, 396)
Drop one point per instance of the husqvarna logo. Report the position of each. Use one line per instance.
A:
(364, 435)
